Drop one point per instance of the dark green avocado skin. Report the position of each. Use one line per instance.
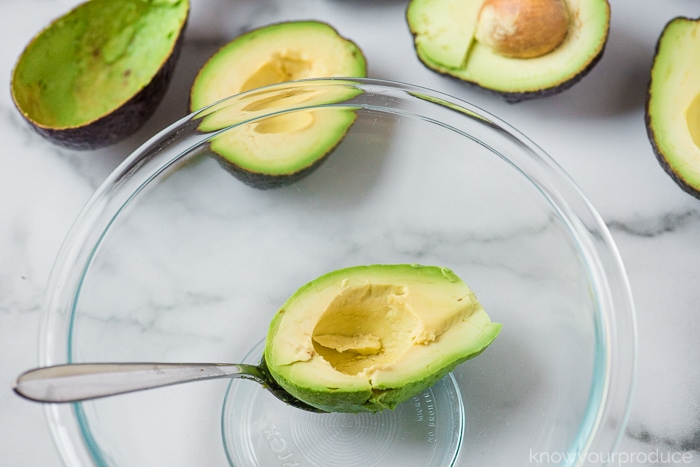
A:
(652, 138)
(122, 122)
(265, 181)
(516, 97)
(664, 163)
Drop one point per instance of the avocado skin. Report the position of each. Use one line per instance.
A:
(516, 97)
(660, 156)
(373, 401)
(263, 181)
(282, 393)
(664, 163)
(121, 122)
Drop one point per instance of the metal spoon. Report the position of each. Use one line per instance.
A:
(84, 381)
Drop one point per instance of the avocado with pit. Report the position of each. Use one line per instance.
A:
(366, 338)
(278, 150)
(673, 103)
(519, 49)
(95, 75)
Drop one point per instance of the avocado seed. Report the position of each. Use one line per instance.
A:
(523, 28)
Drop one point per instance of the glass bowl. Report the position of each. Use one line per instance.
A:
(175, 259)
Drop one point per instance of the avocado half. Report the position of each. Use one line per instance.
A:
(519, 49)
(367, 338)
(673, 103)
(279, 149)
(95, 75)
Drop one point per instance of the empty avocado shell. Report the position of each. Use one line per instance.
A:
(95, 75)
(520, 49)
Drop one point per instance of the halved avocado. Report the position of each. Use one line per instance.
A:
(95, 75)
(673, 103)
(280, 149)
(367, 338)
(520, 49)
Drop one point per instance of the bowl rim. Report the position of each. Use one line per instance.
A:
(616, 348)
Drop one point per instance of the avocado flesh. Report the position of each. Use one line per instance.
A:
(367, 338)
(275, 54)
(282, 145)
(673, 104)
(432, 22)
(278, 149)
(95, 59)
(444, 29)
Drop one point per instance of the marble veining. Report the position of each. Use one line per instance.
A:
(668, 223)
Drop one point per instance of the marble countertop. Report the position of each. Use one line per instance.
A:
(594, 130)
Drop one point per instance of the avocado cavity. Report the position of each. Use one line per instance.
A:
(367, 338)
(279, 69)
(692, 118)
(95, 75)
(358, 331)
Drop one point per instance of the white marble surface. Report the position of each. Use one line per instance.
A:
(595, 131)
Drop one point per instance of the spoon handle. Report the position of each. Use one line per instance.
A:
(84, 381)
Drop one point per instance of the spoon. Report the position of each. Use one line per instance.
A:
(76, 382)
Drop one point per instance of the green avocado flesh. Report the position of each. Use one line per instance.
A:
(276, 54)
(273, 150)
(285, 144)
(444, 39)
(673, 104)
(367, 338)
(95, 59)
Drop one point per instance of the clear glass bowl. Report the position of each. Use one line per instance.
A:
(174, 259)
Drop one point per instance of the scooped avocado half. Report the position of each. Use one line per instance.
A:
(280, 149)
(520, 49)
(95, 75)
(367, 338)
(673, 103)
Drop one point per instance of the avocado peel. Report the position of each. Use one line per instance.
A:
(291, 138)
(366, 338)
(449, 39)
(96, 74)
(672, 109)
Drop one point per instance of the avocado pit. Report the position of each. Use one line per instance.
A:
(523, 28)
